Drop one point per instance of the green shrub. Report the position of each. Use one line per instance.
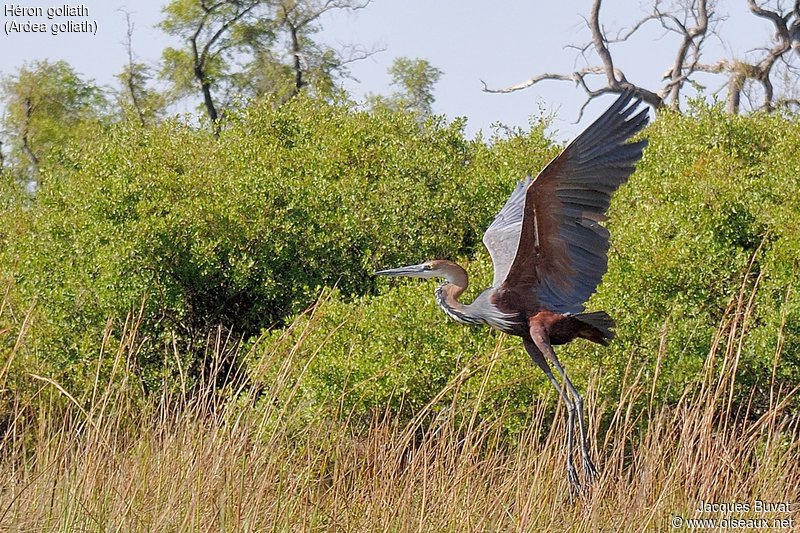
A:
(243, 230)
(713, 194)
(397, 351)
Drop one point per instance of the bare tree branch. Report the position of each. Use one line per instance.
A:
(692, 39)
(128, 76)
(622, 37)
(532, 81)
(693, 21)
(599, 42)
(741, 72)
(615, 79)
(782, 45)
(25, 135)
(354, 53)
(203, 52)
(294, 19)
(795, 27)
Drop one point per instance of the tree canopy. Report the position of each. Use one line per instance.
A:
(46, 105)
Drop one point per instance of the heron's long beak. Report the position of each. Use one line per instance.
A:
(410, 271)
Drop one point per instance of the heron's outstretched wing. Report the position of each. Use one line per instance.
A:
(562, 248)
(502, 236)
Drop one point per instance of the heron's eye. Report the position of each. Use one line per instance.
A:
(427, 267)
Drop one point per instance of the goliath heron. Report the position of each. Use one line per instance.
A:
(549, 253)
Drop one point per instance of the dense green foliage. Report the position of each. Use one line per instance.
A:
(245, 230)
(714, 193)
(397, 350)
(705, 252)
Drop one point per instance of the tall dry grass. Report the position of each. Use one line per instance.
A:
(218, 460)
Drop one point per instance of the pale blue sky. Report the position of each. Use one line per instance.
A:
(501, 41)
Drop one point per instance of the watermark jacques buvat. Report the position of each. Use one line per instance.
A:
(756, 514)
(52, 20)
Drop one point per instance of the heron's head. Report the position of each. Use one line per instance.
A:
(438, 268)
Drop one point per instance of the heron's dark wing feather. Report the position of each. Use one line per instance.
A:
(502, 236)
(562, 248)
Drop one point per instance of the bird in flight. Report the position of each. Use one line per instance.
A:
(549, 253)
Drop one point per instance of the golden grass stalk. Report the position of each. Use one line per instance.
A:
(218, 460)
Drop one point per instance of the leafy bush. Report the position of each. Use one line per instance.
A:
(705, 248)
(397, 350)
(708, 222)
(243, 230)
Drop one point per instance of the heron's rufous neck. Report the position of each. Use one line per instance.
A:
(447, 294)
(457, 281)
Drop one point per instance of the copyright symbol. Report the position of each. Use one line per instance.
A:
(677, 522)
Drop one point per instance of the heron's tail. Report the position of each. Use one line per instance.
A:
(598, 326)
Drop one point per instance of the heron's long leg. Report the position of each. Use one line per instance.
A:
(588, 466)
(540, 338)
(572, 475)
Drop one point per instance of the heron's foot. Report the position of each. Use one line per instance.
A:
(575, 488)
(589, 470)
